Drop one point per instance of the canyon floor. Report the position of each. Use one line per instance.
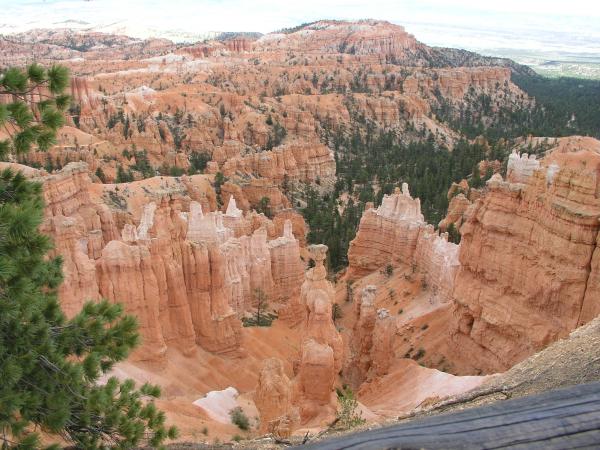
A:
(568, 362)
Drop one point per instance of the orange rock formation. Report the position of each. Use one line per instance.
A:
(273, 399)
(525, 273)
(187, 275)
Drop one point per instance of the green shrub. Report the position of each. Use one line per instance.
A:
(348, 415)
(198, 162)
(101, 175)
(389, 270)
(239, 418)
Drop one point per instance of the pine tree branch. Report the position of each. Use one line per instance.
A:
(28, 91)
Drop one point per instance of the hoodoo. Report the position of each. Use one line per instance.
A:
(313, 228)
(522, 276)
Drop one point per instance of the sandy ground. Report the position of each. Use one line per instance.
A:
(184, 380)
(570, 361)
(409, 385)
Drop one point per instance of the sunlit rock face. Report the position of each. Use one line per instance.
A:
(525, 272)
(187, 273)
(386, 234)
(273, 399)
(528, 272)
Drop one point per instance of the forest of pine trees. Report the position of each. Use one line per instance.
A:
(563, 107)
(368, 168)
(370, 164)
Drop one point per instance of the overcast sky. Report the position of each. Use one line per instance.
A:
(468, 23)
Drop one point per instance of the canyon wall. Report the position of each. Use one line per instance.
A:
(396, 233)
(187, 275)
(527, 255)
(526, 271)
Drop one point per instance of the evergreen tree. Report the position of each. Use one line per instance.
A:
(453, 234)
(50, 366)
(220, 180)
(101, 175)
(261, 307)
(264, 207)
(476, 181)
(198, 162)
(123, 176)
(142, 164)
(30, 122)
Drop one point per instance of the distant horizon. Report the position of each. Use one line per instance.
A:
(518, 25)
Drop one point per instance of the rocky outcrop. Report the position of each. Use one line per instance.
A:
(527, 260)
(187, 275)
(360, 360)
(367, 37)
(83, 95)
(299, 228)
(525, 273)
(217, 327)
(317, 295)
(437, 260)
(238, 45)
(126, 271)
(80, 228)
(296, 161)
(181, 290)
(322, 347)
(454, 84)
(315, 396)
(520, 167)
(388, 234)
(383, 343)
(310, 397)
(456, 211)
(286, 265)
(396, 233)
(273, 399)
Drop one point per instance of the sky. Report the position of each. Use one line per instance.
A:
(572, 24)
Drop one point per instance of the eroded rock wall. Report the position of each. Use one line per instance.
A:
(386, 235)
(396, 233)
(526, 271)
(188, 275)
